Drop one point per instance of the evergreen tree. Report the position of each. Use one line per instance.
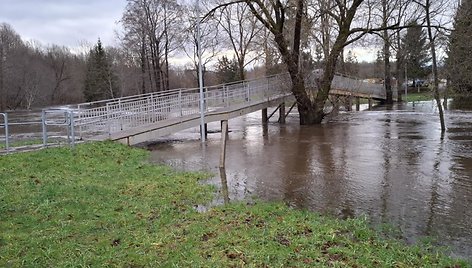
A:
(351, 64)
(415, 50)
(100, 81)
(460, 56)
(227, 70)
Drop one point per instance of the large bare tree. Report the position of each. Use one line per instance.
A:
(10, 42)
(58, 60)
(151, 30)
(435, 21)
(273, 15)
(210, 45)
(241, 28)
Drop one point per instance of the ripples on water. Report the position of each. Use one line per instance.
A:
(391, 165)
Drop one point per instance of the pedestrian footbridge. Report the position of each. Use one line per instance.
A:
(140, 118)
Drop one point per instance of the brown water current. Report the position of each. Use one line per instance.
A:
(392, 165)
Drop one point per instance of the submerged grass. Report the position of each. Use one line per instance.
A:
(102, 204)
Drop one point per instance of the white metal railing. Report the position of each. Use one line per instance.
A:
(5, 130)
(114, 115)
(106, 117)
(351, 85)
(55, 124)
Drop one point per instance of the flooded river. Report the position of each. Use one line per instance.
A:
(391, 165)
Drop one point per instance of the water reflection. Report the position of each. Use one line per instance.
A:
(389, 164)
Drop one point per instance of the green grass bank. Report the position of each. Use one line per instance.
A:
(104, 205)
(415, 96)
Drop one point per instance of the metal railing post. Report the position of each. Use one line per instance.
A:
(267, 88)
(7, 133)
(5, 122)
(147, 113)
(248, 92)
(79, 113)
(72, 130)
(43, 123)
(225, 96)
(153, 109)
(67, 123)
(120, 107)
(108, 119)
(180, 103)
(205, 103)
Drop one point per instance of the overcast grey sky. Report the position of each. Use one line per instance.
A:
(63, 22)
(69, 22)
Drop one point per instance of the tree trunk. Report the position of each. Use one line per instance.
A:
(386, 52)
(399, 68)
(310, 115)
(310, 111)
(59, 75)
(387, 73)
(241, 69)
(435, 67)
(3, 95)
(156, 66)
(325, 25)
(151, 83)
(143, 64)
(166, 50)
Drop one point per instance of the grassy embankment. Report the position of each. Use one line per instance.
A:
(104, 205)
(415, 96)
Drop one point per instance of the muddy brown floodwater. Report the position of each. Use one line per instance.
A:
(388, 164)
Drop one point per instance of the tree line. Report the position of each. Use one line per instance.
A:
(242, 39)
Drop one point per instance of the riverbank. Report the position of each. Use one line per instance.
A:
(418, 96)
(103, 204)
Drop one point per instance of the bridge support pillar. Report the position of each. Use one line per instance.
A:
(264, 116)
(224, 138)
(358, 104)
(349, 103)
(282, 113)
(370, 104)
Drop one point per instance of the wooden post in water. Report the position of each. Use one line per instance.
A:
(370, 104)
(282, 113)
(224, 137)
(264, 116)
(224, 185)
(358, 104)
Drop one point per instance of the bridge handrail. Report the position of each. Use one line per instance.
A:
(117, 114)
